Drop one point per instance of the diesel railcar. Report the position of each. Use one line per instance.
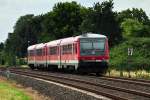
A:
(84, 53)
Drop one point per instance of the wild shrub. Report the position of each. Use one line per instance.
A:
(140, 60)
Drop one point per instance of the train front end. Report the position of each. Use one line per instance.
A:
(93, 53)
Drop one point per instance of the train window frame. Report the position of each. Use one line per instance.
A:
(53, 50)
(92, 51)
(39, 52)
(67, 49)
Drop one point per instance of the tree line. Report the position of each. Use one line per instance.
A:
(70, 19)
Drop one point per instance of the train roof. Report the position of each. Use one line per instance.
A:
(91, 35)
(61, 41)
(69, 40)
(53, 43)
(39, 46)
(31, 47)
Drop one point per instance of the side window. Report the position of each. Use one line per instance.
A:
(53, 50)
(70, 49)
(67, 49)
(64, 49)
(39, 52)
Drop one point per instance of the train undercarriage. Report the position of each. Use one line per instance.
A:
(82, 67)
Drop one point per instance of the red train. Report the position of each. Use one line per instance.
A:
(84, 53)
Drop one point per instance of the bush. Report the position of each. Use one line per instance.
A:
(140, 59)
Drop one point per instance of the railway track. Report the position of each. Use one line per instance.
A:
(88, 84)
(91, 76)
(109, 78)
(127, 80)
(122, 79)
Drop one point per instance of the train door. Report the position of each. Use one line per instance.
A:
(34, 57)
(45, 56)
(59, 56)
(59, 48)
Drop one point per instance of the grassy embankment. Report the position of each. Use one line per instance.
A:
(10, 92)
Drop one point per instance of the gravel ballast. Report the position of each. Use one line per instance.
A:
(50, 89)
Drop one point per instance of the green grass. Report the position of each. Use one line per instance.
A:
(8, 92)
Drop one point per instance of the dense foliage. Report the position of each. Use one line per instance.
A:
(1, 53)
(69, 19)
(134, 28)
(140, 58)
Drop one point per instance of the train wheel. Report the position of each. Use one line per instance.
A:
(32, 67)
(97, 74)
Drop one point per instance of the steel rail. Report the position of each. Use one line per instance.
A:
(144, 83)
(102, 77)
(132, 79)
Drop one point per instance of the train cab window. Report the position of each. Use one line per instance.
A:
(53, 50)
(94, 46)
(98, 45)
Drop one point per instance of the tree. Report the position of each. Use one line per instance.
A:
(26, 31)
(64, 20)
(10, 50)
(1, 46)
(1, 53)
(134, 13)
(88, 24)
(101, 19)
(134, 28)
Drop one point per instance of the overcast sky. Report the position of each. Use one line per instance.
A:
(11, 10)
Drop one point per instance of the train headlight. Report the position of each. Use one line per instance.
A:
(98, 60)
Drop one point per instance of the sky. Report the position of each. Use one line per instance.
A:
(11, 10)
